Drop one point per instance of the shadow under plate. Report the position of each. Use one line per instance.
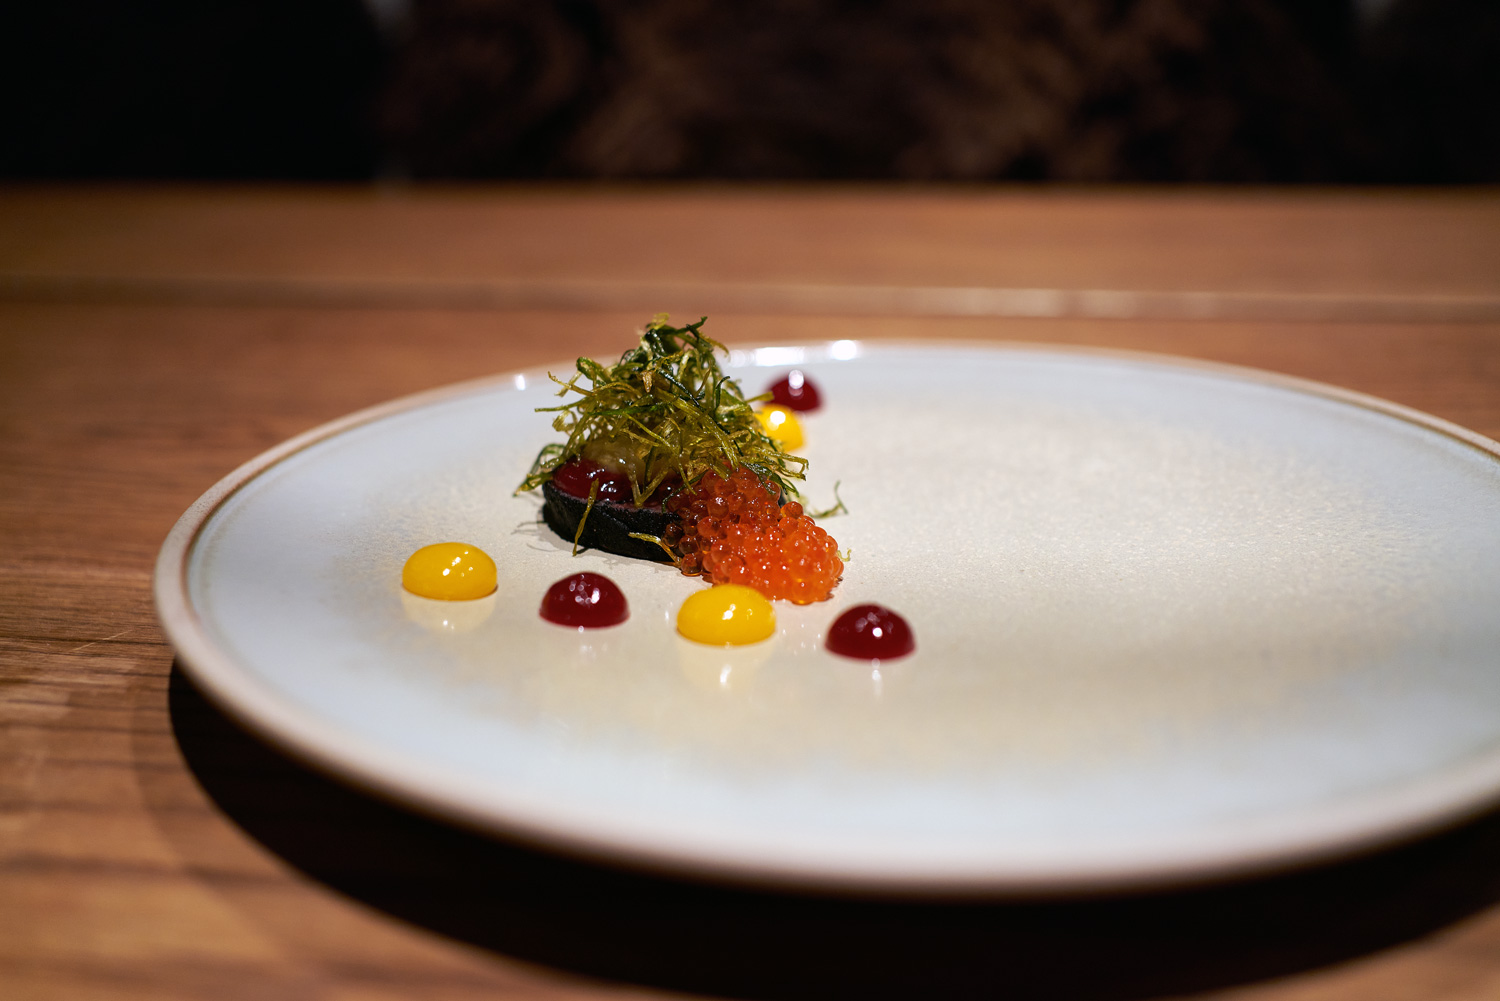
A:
(653, 930)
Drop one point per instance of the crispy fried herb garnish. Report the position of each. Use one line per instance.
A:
(664, 410)
(839, 507)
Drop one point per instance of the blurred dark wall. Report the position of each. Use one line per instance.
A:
(175, 88)
(1429, 87)
(1096, 90)
(923, 89)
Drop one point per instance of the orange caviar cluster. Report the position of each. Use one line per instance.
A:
(733, 531)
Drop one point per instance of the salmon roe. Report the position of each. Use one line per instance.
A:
(734, 530)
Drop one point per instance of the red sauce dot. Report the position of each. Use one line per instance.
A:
(585, 600)
(870, 632)
(576, 478)
(795, 391)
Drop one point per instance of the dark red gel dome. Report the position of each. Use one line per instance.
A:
(795, 391)
(575, 479)
(586, 600)
(870, 632)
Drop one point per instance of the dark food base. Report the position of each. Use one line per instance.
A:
(608, 526)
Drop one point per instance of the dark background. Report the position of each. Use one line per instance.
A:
(1400, 91)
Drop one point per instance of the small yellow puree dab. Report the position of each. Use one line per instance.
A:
(726, 615)
(781, 426)
(450, 571)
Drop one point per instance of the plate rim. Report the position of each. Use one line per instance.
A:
(1410, 809)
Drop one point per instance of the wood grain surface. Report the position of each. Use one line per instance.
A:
(149, 848)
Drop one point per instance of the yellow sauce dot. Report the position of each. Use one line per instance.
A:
(726, 615)
(781, 426)
(450, 571)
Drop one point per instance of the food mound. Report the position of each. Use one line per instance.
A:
(665, 459)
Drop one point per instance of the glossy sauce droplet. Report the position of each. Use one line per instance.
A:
(781, 427)
(727, 615)
(795, 391)
(586, 600)
(870, 632)
(449, 571)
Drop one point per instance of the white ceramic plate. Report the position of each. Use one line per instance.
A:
(1174, 621)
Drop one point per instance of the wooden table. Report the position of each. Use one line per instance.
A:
(152, 339)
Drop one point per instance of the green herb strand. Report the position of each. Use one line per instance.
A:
(666, 409)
